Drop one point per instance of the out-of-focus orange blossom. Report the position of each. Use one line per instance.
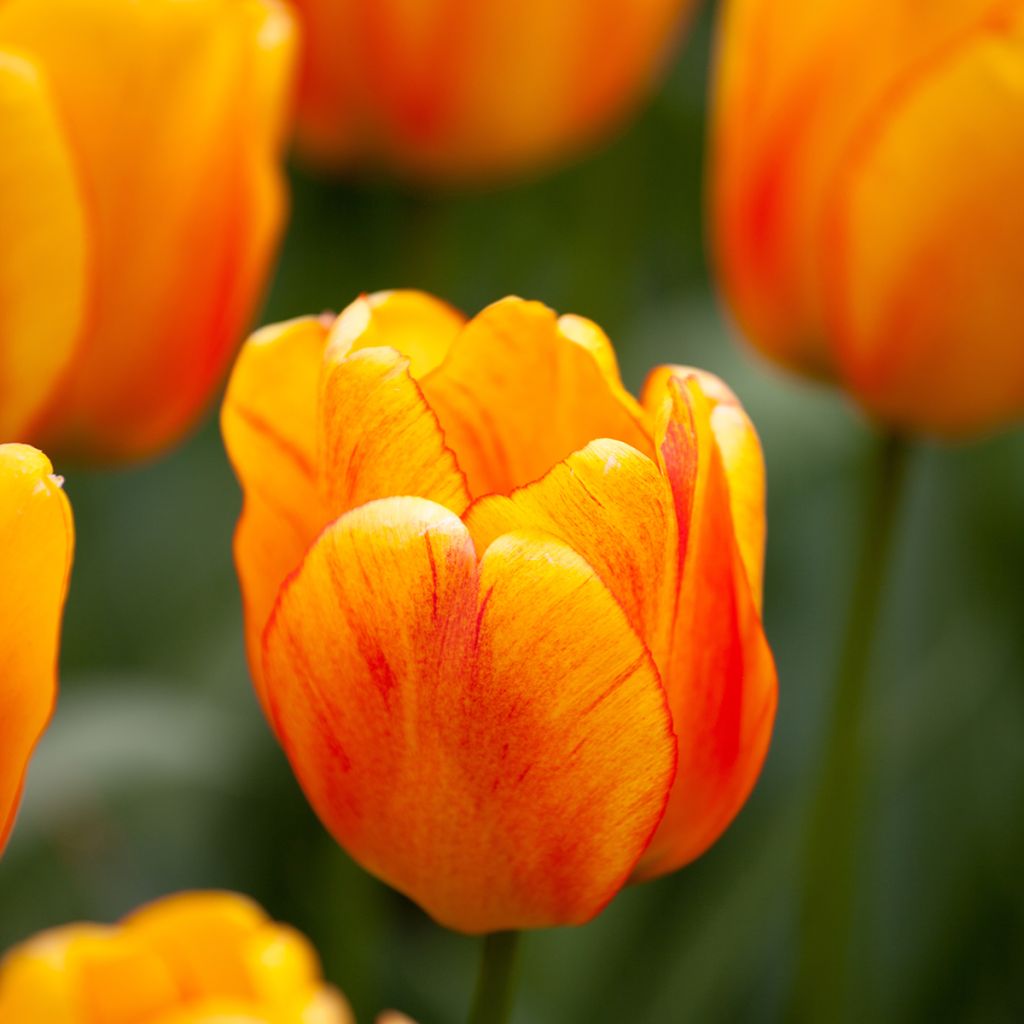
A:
(866, 170)
(464, 89)
(193, 958)
(140, 203)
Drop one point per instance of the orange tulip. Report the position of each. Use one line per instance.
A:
(36, 543)
(140, 201)
(866, 169)
(463, 88)
(504, 618)
(194, 958)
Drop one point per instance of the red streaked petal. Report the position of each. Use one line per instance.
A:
(269, 424)
(379, 438)
(609, 503)
(742, 458)
(455, 725)
(719, 675)
(516, 395)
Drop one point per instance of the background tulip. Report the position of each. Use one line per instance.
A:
(450, 88)
(139, 208)
(487, 590)
(868, 213)
(194, 958)
(36, 542)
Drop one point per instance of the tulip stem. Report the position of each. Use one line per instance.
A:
(833, 851)
(492, 1002)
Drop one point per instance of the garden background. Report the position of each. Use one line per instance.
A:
(159, 773)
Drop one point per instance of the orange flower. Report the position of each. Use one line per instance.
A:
(140, 201)
(486, 591)
(36, 543)
(194, 958)
(463, 88)
(868, 210)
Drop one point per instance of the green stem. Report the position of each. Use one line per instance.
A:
(833, 851)
(492, 1002)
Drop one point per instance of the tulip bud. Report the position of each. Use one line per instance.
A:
(194, 958)
(474, 88)
(36, 543)
(140, 202)
(503, 617)
(866, 173)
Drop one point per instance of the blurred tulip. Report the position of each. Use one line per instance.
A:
(485, 592)
(866, 169)
(194, 958)
(474, 88)
(36, 544)
(140, 202)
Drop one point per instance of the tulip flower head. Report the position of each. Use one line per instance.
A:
(36, 544)
(458, 89)
(503, 617)
(194, 958)
(140, 201)
(868, 213)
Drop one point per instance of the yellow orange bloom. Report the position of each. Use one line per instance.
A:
(504, 618)
(866, 171)
(194, 958)
(462, 88)
(140, 201)
(36, 544)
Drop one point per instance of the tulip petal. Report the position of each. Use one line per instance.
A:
(926, 283)
(516, 126)
(516, 395)
(204, 938)
(457, 88)
(36, 544)
(590, 336)
(269, 423)
(794, 83)
(207, 957)
(663, 541)
(283, 967)
(457, 727)
(85, 972)
(379, 437)
(562, 95)
(419, 326)
(742, 458)
(610, 504)
(719, 676)
(166, 106)
(43, 255)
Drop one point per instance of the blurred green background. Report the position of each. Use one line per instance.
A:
(158, 772)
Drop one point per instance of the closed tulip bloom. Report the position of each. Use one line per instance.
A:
(36, 543)
(866, 169)
(465, 88)
(503, 617)
(140, 201)
(193, 958)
